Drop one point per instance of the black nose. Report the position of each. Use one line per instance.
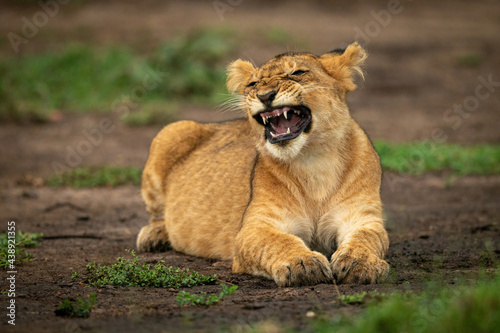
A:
(267, 98)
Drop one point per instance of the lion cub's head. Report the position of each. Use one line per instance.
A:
(297, 100)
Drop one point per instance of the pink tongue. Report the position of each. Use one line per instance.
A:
(282, 124)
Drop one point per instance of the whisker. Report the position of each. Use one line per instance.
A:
(231, 103)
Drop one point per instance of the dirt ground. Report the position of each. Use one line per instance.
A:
(441, 228)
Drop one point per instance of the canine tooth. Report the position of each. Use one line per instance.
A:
(272, 134)
(286, 116)
(264, 119)
(288, 130)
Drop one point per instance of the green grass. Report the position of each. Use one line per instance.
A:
(196, 65)
(420, 157)
(80, 78)
(152, 113)
(22, 241)
(440, 309)
(186, 298)
(79, 308)
(133, 273)
(471, 59)
(76, 78)
(278, 36)
(96, 177)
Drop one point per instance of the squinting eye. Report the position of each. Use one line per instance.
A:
(299, 72)
(251, 84)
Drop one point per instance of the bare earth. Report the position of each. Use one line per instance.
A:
(441, 228)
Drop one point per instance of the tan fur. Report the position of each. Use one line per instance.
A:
(303, 211)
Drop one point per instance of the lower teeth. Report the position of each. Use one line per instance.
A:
(275, 135)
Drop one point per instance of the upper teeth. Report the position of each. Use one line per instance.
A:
(285, 113)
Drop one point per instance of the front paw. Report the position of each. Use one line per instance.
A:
(358, 266)
(306, 269)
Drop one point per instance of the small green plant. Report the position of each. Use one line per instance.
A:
(132, 272)
(75, 276)
(96, 177)
(22, 241)
(353, 299)
(361, 298)
(186, 298)
(79, 308)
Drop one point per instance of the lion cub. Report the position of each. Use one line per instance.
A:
(291, 192)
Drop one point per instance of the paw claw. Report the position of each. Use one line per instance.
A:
(309, 269)
(358, 266)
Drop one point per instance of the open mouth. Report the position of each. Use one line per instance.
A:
(284, 123)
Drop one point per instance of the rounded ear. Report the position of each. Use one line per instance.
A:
(238, 73)
(342, 64)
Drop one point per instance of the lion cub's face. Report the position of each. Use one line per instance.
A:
(295, 98)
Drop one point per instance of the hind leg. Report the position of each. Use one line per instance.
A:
(172, 144)
(153, 238)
